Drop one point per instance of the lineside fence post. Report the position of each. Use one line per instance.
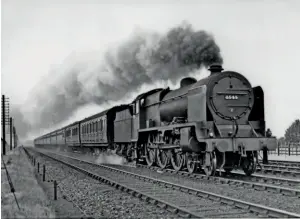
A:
(55, 190)
(44, 173)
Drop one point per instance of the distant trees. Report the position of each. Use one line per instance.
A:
(292, 134)
(281, 141)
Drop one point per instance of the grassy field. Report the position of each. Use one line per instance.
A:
(31, 198)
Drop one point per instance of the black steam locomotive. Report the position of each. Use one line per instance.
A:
(214, 123)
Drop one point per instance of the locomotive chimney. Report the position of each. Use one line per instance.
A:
(215, 68)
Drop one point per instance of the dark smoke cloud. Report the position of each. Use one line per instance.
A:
(145, 58)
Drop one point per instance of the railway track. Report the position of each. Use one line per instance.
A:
(183, 200)
(282, 167)
(284, 163)
(275, 184)
(282, 170)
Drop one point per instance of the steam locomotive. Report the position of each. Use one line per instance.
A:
(214, 123)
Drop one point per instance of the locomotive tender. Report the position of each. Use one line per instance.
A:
(214, 123)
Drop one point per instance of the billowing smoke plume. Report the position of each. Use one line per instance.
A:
(145, 58)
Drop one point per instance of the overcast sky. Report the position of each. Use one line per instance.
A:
(260, 39)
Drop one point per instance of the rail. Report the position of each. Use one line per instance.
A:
(251, 207)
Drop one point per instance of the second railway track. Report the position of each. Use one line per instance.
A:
(186, 201)
(280, 169)
(284, 163)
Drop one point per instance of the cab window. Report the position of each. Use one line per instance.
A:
(137, 108)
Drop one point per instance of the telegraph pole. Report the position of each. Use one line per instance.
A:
(5, 116)
(3, 124)
(11, 132)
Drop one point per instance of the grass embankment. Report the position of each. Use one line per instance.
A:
(32, 200)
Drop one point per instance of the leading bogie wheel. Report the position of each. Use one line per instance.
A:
(191, 165)
(211, 169)
(249, 165)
